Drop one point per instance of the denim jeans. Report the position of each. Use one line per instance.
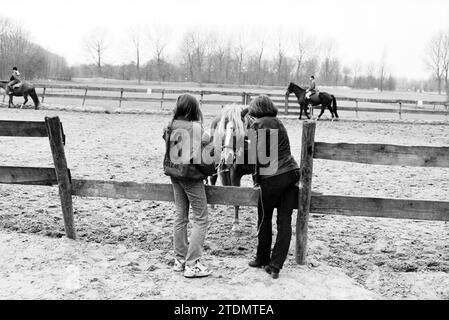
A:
(277, 192)
(189, 193)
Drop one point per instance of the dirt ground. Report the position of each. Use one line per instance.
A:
(125, 247)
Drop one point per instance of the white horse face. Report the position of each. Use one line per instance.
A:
(228, 153)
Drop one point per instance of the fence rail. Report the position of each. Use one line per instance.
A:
(237, 196)
(381, 207)
(28, 176)
(384, 154)
(289, 107)
(22, 129)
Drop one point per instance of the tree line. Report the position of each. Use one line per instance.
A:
(438, 60)
(211, 57)
(33, 61)
(198, 56)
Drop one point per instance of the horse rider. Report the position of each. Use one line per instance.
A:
(15, 79)
(311, 90)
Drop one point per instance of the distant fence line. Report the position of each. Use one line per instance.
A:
(288, 107)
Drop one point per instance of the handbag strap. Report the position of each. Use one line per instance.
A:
(167, 138)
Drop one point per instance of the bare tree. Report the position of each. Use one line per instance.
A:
(221, 52)
(259, 53)
(357, 69)
(159, 39)
(435, 57)
(187, 49)
(16, 49)
(280, 57)
(96, 46)
(240, 52)
(382, 70)
(346, 73)
(304, 48)
(328, 48)
(282, 68)
(445, 57)
(210, 45)
(136, 38)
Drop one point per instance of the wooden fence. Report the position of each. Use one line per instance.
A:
(69, 187)
(288, 106)
(380, 154)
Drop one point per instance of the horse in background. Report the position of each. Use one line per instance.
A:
(23, 89)
(229, 132)
(324, 99)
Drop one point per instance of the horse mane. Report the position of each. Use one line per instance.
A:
(231, 113)
(295, 85)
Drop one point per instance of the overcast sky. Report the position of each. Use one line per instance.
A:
(362, 29)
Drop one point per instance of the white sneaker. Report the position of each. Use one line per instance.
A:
(179, 265)
(196, 271)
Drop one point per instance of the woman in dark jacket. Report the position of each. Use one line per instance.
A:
(278, 186)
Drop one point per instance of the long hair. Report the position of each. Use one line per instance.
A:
(187, 108)
(262, 106)
(230, 114)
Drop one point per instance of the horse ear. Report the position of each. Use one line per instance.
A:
(244, 112)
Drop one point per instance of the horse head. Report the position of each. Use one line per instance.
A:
(290, 88)
(231, 131)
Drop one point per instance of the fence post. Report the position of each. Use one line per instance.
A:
(357, 108)
(244, 98)
(120, 100)
(162, 98)
(305, 189)
(56, 137)
(201, 98)
(84, 98)
(43, 95)
(400, 110)
(286, 104)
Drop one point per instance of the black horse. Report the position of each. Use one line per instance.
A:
(24, 89)
(324, 99)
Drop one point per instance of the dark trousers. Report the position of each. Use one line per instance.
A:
(277, 192)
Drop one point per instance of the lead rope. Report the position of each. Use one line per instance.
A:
(256, 169)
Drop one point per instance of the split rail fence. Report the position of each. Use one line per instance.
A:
(289, 105)
(380, 154)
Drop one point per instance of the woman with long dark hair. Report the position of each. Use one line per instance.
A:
(188, 187)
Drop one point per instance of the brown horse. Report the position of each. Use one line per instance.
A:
(23, 89)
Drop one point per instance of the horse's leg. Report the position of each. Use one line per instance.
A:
(25, 96)
(332, 111)
(10, 104)
(321, 112)
(300, 112)
(236, 176)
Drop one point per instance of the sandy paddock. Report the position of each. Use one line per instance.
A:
(124, 247)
